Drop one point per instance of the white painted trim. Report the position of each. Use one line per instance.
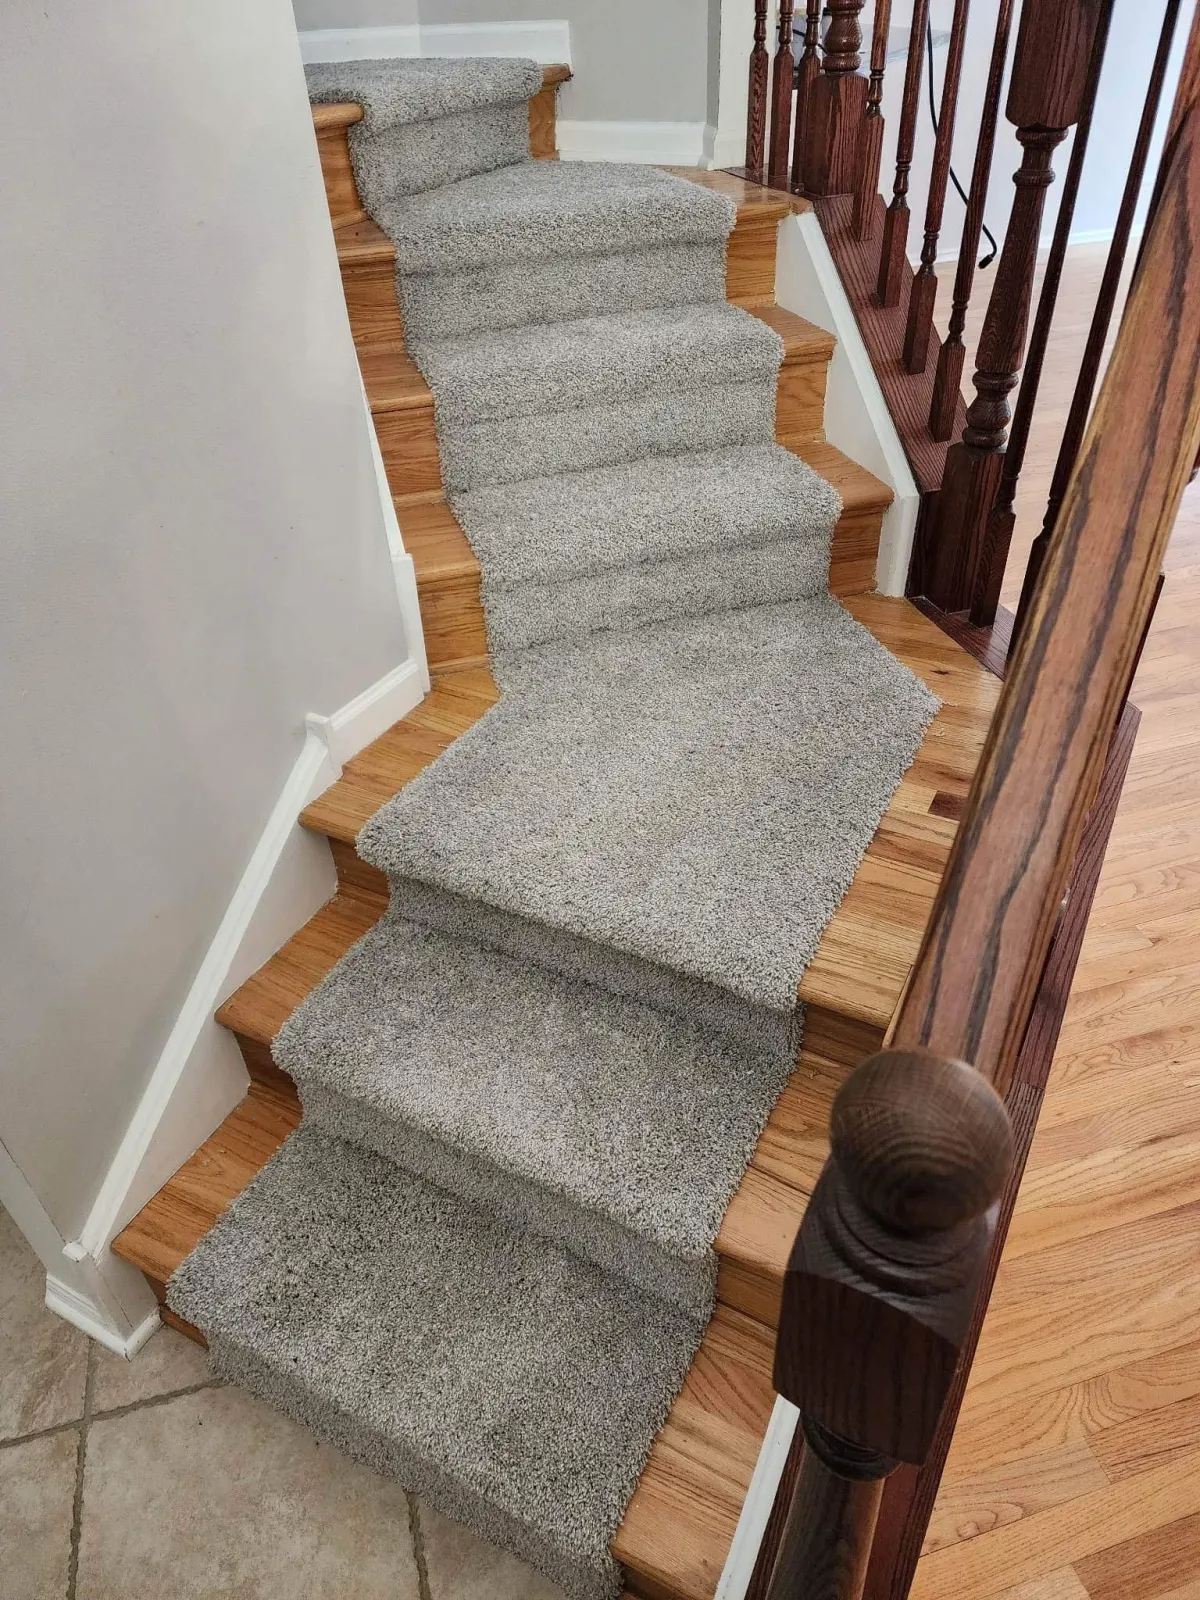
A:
(80, 1310)
(548, 42)
(760, 1498)
(404, 573)
(359, 44)
(369, 714)
(857, 419)
(667, 144)
(114, 1306)
(199, 1076)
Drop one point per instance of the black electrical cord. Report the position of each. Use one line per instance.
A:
(962, 193)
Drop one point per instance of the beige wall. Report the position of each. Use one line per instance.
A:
(193, 553)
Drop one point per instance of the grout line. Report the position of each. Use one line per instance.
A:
(80, 1462)
(41, 1433)
(156, 1400)
(418, 1544)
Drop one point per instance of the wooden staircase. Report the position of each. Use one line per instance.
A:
(678, 1527)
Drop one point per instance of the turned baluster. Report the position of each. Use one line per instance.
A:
(1093, 355)
(870, 150)
(834, 111)
(892, 262)
(781, 100)
(948, 380)
(1003, 517)
(1049, 81)
(878, 1296)
(924, 289)
(806, 75)
(756, 104)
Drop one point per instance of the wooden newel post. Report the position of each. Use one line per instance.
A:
(835, 105)
(878, 1296)
(1046, 95)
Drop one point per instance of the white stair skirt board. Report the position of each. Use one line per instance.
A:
(759, 1501)
(200, 1077)
(112, 1304)
(857, 419)
(667, 144)
(404, 572)
(547, 42)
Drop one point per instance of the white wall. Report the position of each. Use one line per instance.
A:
(194, 553)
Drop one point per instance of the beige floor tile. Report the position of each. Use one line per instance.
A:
(167, 1361)
(43, 1360)
(37, 1492)
(217, 1494)
(462, 1567)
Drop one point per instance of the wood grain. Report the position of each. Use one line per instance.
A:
(1069, 684)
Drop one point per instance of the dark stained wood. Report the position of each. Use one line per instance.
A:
(972, 475)
(835, 105)
(1003, 517)
(1106, 299)
(999, 900)
(946, 402)
(870, 148)
(910, 1494)
(827, 1539)
(881, 1280)
(1051, 64)
(779, 160)
(924, 290)
(756, 106)
(878, 1297)
(892, 258)
(806, 76)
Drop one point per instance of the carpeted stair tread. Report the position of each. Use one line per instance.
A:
(427, 89)
(610, 1126)
(634, 512)
(668, 795)
(515, 1385)
(593, 361)
(561, 208)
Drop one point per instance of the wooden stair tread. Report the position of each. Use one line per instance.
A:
(361, 242)
(171, 1226)
(860, 490)
(342, 113)
(337, 114)
(677, 1529)
(393, 381)
(755, 201)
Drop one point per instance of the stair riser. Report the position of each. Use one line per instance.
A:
(341, 191)
(408, 437)
(520, 1203)
(370, 287)
(453, 618)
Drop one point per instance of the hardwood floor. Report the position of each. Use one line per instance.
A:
(1075, 1471)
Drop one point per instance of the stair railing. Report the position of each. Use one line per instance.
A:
(966, 463)
(882, 1297)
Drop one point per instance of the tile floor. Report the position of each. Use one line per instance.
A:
(150, 1480)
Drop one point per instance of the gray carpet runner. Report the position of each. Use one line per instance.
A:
(486, 1259)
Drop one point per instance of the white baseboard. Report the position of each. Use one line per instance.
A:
(666, 144)
(199, 1076)
(857, 419)
(729, 148)
(547, 42)
(760, 1498)
(83, 1313)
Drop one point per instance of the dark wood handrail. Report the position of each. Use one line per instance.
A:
(885, 1262)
